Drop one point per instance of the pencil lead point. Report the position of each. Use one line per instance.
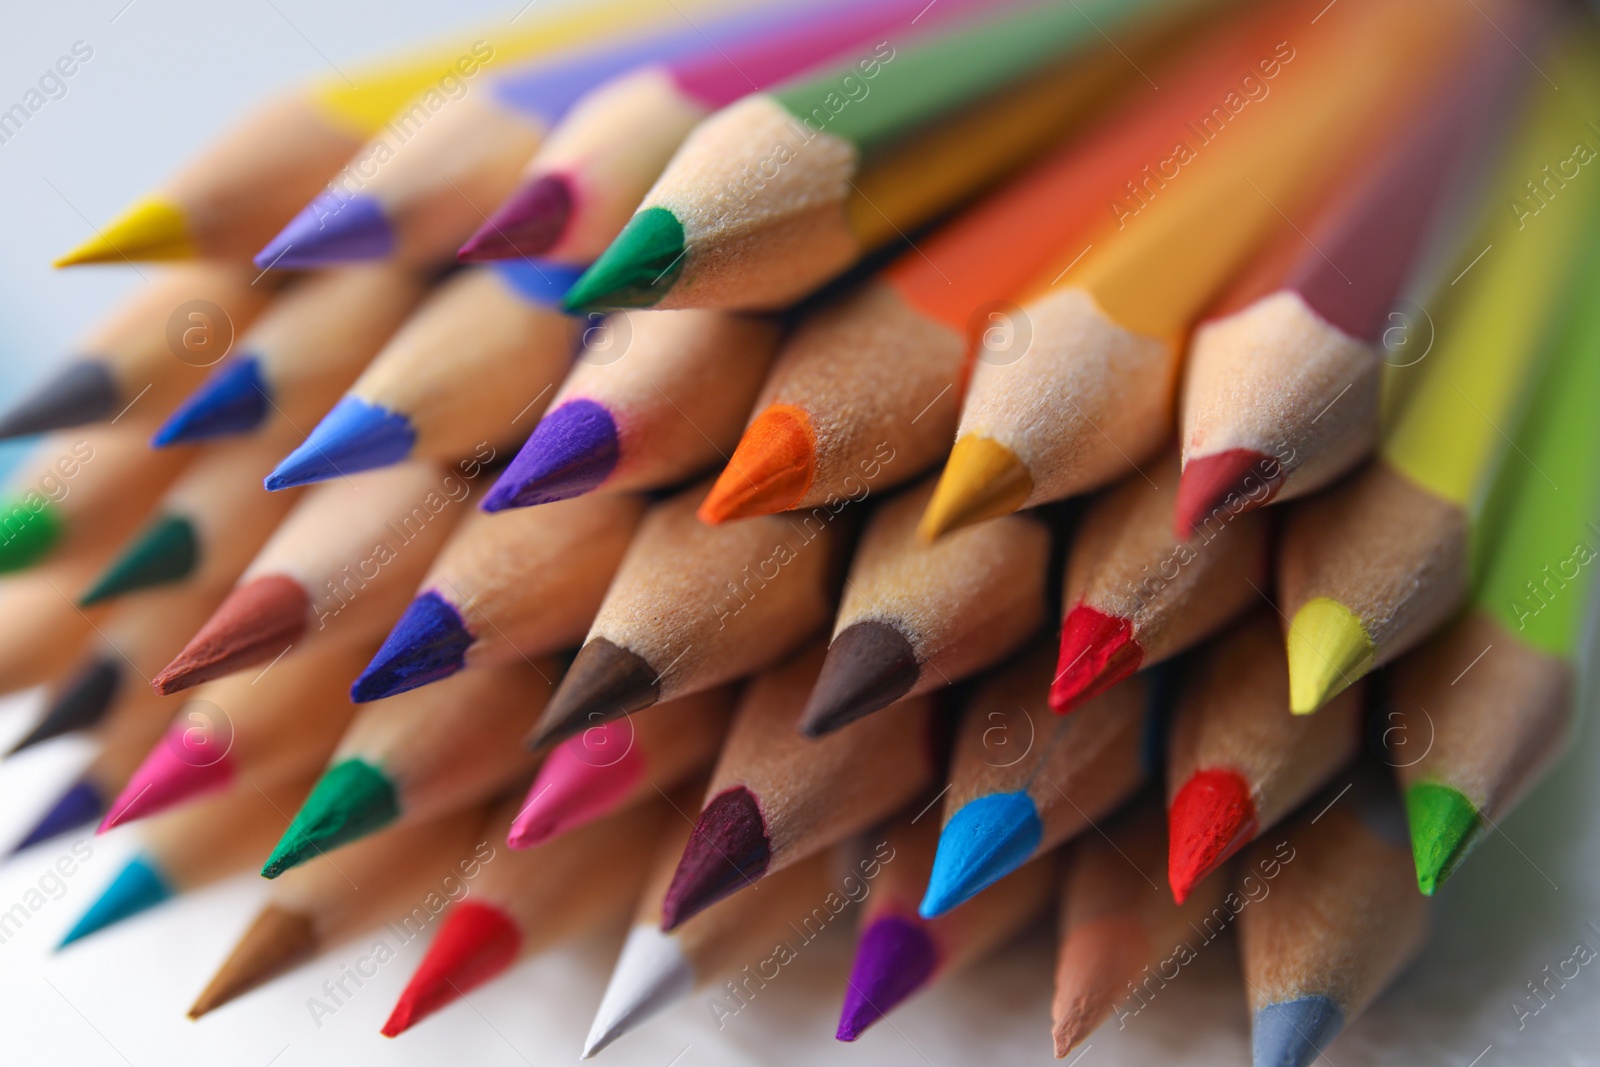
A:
(256, 622)
(428, 642)
(166, 550)
(868, 666)
(771, 469)
(334, 228)
(31, 532)
(573, 787)
(138, 887)
(982, 479)
(276, 941)
(895, 958)
(351, 800)
(1208, 482)
(81, 392)
(572, 451)
(1212, 816)
(727, 851)
(650, 976)
(605, 682)
(233, 400)
(984, 841)
(149, 229)
(1293, 1033)
(528, 223)
(638, 269)
(1444, 827)
(354, 436)
(1328, 650)
(78, 705)
(80, 805)
(184, 764)
(476, 942)
(1097, 652)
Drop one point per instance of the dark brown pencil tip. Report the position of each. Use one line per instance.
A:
(257, 622)
(276, 941)
(605, 682)
(869, 666)
(727, 851)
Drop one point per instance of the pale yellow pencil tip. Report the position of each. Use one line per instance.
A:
(151, 229)
(983, 479)
(1329, 650)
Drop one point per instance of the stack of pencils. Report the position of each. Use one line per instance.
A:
(974, 461)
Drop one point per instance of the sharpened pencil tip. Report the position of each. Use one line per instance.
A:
(32, 531)
(869, 666)
(1444, 827)
(476, 942)
(138, 887)
(150, 229)
(1328, 651)
(354, 436)
(234, 400)
(528, 223)
(276, 941)
(1294, 1033)
(1097, 652)
(167, 550)
(1212, 816)
(256, 622)
(1209, 482)
(727, 851)
(982, 479)
(651, 975)
(985, 840)
(605, 682)
(637, 270)
(184, 764)
(576, 784)
(572, 451)
(895, 958)
(351, 800)
(428, 643)
(80, 704)
(771, 469)
(80, 805)
(336, 227)
(81, 392)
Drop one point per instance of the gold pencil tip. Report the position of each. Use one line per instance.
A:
(983, 479)
(150, 229)
(1328, 650)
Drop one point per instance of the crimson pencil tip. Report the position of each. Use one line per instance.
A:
(1097, 652)
(727, 851)
(1212, 816)
(257, 621)
(1209, 482)
(476, 942)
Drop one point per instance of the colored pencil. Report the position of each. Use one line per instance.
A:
(130, 366)
(1281, 392)
(916, 616)
(1483, 709)
(1359, 588)
(53, 630)
(207, 526)
(651, 400)
(693, 606)
(384, 878)
(598, 163)
(79, 494)
(1108, 319)
(305, 350)
(243, 188)
(1136, 596)
(465, 375)
(899, 953)
(256, 728)
(1236, 762)
(505, 588)
(750, 930)
(122, 740)
(525, 902)
(870, 388)
(622, 763)
(756, 208)
(777, 797)
(1023, 779)
(1119, 924)
(418, 197)
(341, 564)
(135, 639)
(184, 850)
(1340, 921)
(420, 754)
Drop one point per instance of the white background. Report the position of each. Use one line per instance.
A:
(167, 75)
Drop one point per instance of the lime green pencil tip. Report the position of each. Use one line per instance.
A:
(1444, 827)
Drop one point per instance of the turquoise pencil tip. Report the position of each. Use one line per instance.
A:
(982, 843)
(139, 887)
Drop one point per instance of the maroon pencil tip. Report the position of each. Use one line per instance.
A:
(727, 851)
(529, 223)
(1234, 481)
(257, 621)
